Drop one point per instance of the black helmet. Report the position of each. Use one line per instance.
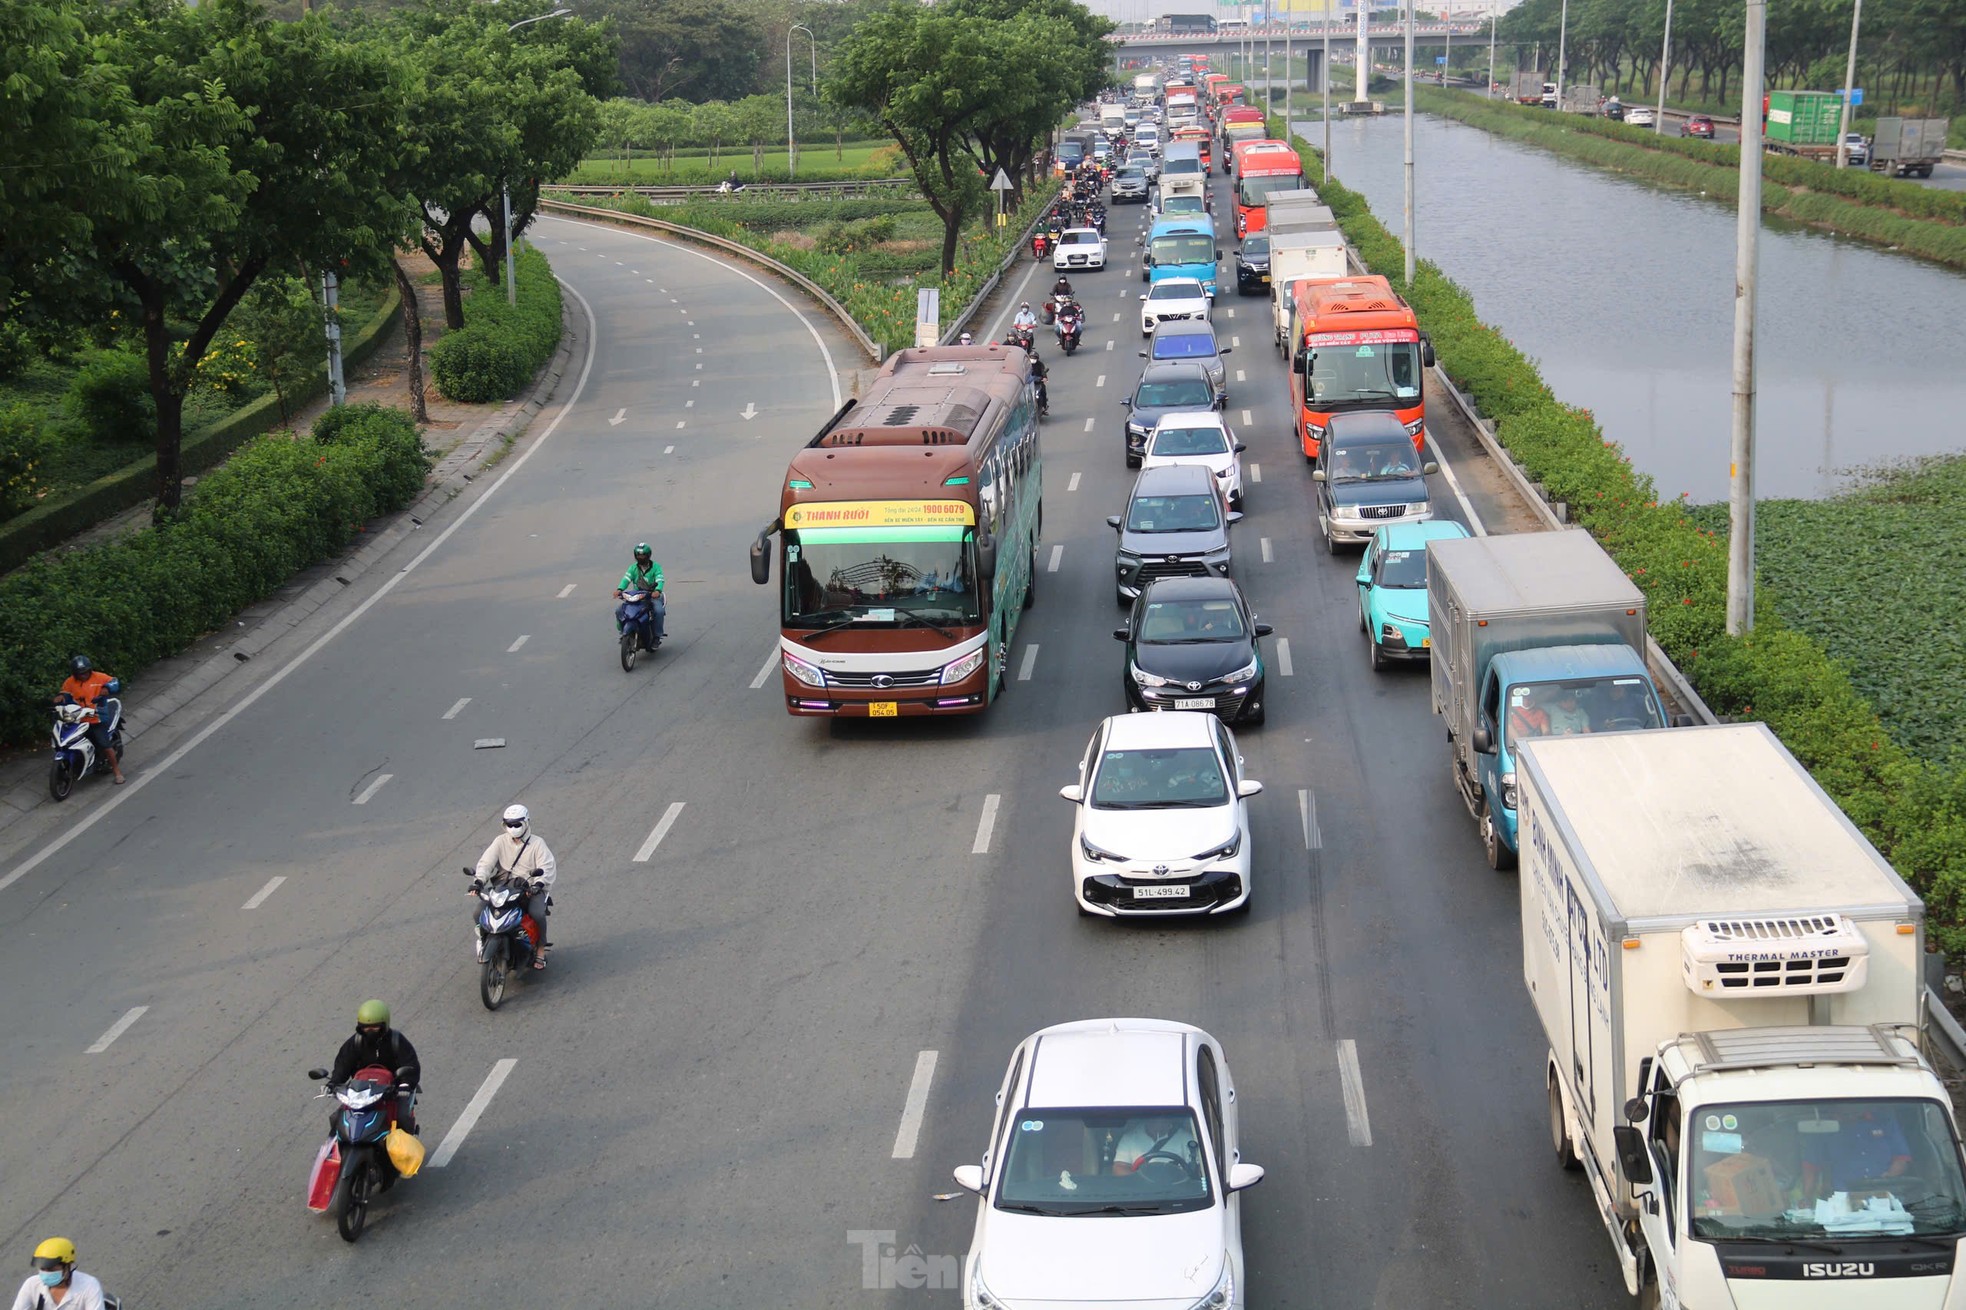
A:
(643, 554)
(80, 666)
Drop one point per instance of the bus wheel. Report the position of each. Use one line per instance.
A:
(1031, 585)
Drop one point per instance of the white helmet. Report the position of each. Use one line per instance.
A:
(518, 821)
(967, 340)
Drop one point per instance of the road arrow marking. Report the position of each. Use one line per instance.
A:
(619, 415)
(750, 410)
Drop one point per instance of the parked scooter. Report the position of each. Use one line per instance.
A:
(509, 935)
(636, 619)
(75, 755)
(359, 1159)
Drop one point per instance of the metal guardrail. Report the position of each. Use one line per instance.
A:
(827, 190)
(953, 333)
(817, 292)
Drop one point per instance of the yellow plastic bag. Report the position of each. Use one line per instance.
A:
(405, 1152)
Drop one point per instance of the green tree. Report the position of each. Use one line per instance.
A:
(760, 122)
(698, 49)
(712, 123)
(284, 323)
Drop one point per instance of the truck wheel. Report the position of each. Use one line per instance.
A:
(1648, 1294)
(1559, 1136)
(1500, 857)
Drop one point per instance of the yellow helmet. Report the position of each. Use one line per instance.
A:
(54, 1251)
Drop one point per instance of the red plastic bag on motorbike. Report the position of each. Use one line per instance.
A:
(327, 1172)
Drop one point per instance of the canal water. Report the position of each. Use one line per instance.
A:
(1623, 293)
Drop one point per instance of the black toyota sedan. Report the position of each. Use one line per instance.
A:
(1191, 645)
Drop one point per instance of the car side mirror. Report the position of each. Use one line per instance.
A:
(1143, 354)
(1249, 787)
(1632, 1157)
(969, 1177)
(1235, 517)
(1143, 295)
(1225, 350)
(1484, 740)
(1113, 522)
(1317, 475)
(1244, 1176)
(1122, 634)
(1240, 448)
(1073, 792)
(317, 1074)
(1683, 721)
(1264, 629)
(1218, 252)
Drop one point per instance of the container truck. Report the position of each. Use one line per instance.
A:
(1729, 977)
(1527, 88)
(1908, 147)
(1520, 623)
(1299, 211)
(1805, 123)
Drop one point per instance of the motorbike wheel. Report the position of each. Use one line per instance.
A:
(629, 643)
(491, 978)
(351, 1197)
(61, 780)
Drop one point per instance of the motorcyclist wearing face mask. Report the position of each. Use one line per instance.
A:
(375, 1043)
(57, 1282)
(520, 852)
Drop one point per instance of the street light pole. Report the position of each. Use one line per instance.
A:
(1490, 93)
(1327, 90)
(1849, 88)
(1408, 78)
(1665, 67)
(505, 184)
(1562, 34)
(1747, 236)
(791, 147)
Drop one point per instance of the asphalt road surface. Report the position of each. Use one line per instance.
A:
(719, 1095)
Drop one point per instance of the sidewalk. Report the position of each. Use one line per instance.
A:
(167, 701)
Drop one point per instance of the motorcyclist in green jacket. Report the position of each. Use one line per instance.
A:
(645, 575)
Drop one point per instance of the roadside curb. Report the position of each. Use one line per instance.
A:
(23, 789)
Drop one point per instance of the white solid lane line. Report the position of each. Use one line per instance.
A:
(523, 639)
(259, 897)
(373, 788)
(1267, 557)
(981, 845)
(1057, 553)
(1357, 1123)
(915, 1107)
(1283, 656)
(566, 591)
(1030, 658)
(116, 1030)
(1475, 524)
(469, 1119)
(458, 708)
(1073, 485)
(772, 662)
(662, 826)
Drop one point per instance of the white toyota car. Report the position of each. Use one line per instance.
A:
(1111, 1176)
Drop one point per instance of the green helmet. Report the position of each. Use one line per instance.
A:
(643, 554)
(372, 1012)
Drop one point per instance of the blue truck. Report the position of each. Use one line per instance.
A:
(1534, 634)
(1182, 247)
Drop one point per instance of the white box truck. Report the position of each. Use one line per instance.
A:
(1730, 977)
(1300, 256)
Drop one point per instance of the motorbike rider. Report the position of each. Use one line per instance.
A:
(57, 1282)
(1070, 317)
(645, 575)
(86, 686)
(1026, 319)
(1062, 287)
(375, 1043)
(1038, 374)
(521, 853)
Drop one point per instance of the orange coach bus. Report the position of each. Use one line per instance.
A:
(1356, 345)
(1262, 168)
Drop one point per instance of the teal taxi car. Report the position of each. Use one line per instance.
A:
(1392, 589)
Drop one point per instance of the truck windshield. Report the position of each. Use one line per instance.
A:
(883, 577)
(1365, 374)
(1564, 709)
(1258, 190)
(1183, 250)
(1820, 1170)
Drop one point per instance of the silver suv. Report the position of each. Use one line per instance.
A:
(1175, 526)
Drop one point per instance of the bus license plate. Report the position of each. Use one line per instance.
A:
(883, 709)
(1200, 703)
(1426, 643)
(1172, 892)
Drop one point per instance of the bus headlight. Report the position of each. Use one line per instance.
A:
(810, 674)
(1414, 428)
(957, 670)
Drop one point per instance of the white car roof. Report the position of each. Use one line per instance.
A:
(1191, 418)
(1181, 283)
(1111, 1062)
(1092, 232)
(1171, 728)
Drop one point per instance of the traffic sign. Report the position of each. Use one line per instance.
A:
(1856, 96)
(1440, 59)
(1000, 182)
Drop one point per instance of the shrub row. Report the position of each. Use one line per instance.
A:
(1914, 810)
(59, 518)
(279, 504)
(885, 307)
(501, 345)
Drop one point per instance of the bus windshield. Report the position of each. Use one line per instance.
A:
(884, 577)
(1364, 374)
(1253, 191)
(1184, 250)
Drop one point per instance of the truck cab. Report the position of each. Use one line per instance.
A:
(1553, 691)
(1182, 246)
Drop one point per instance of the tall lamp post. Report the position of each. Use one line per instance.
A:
(791, 147)
(1490, 95)
(505, 184)
(1747, 239)
(1407, 74)
(1562, 34)
(1849, 89)
(1326, 66)
(1665, 67)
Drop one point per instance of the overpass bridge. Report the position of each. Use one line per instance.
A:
(1134, 48)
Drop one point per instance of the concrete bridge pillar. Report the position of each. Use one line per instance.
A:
(1314, 69)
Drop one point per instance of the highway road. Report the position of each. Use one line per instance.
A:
(723, 1093)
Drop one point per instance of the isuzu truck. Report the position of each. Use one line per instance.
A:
(1729, 976)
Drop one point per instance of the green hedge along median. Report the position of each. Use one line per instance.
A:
(500, 346)
(278, 505)
(1913, 809)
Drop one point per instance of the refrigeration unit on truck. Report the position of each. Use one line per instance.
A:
(1533, 633)
(1908, 147)
(1729, 977)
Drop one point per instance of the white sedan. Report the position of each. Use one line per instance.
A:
(1080, 247)
(1640, 116)
(1199, 437)
(1163, 817)
(1172, 299)
(1112, 1175)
